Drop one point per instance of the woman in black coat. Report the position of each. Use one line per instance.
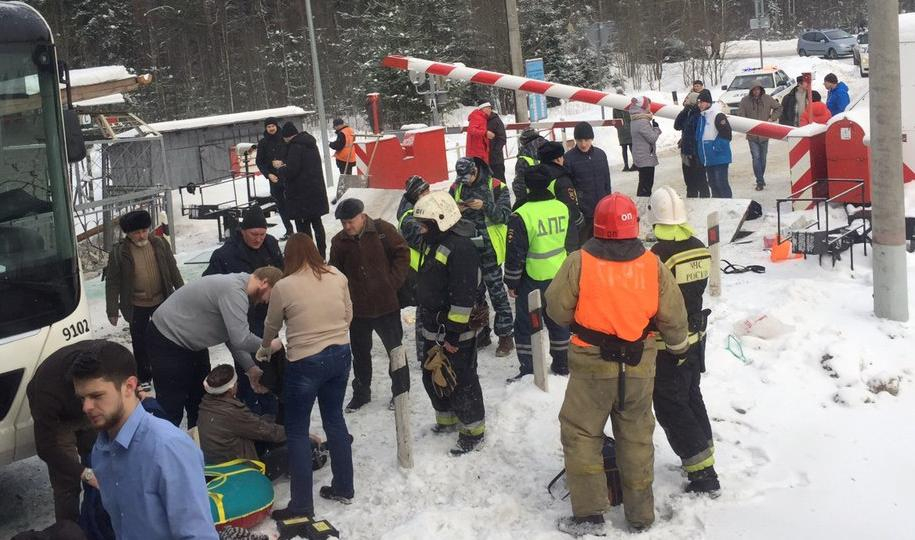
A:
(306, 196)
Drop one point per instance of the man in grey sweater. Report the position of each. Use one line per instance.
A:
(207, 312)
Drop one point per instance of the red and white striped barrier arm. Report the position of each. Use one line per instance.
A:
(570, 93)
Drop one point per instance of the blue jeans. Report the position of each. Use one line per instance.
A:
(322, 376)
(718, 181)
(758, 151)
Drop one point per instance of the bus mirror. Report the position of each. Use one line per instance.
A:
(73, 134)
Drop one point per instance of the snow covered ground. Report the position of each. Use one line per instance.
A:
(812, 426)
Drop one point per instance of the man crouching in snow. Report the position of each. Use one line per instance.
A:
(609, 292)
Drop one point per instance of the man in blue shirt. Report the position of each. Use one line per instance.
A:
(149, 472)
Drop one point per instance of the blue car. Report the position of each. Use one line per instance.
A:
(831, 43)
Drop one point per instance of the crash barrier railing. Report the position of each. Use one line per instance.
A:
(824, 240)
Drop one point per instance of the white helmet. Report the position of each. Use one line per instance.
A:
(439, 207)
(667, 207)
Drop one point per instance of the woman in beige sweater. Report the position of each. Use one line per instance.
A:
(314, 302)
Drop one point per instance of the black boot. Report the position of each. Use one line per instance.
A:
(704, 482)
(466, 444)
(357, 402)
(327, 492)
(484, 339)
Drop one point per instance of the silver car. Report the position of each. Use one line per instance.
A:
(831, 43)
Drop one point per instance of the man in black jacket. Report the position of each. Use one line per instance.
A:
(306, 196)
(590, 172)
(530, 141)
(248, 249)
(497, 146)
(561, 186)
(272, 147)
(693, 171)
(446, 293)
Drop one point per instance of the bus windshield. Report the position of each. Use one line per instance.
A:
(39, 271)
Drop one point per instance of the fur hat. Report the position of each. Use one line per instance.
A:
(253, 218)
(583, 130)
(272, 120)
(550, 151)
(136, 220)
(349, 208)
(706, 96)
(289, 129)
(537, 178)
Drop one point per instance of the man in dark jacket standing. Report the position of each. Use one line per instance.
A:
(249, 248)
(375, 259)
(693, 171)
(590, 173)
(306, 196)
(141, 274)
(624, 134)
(269, 149)
(530, 142)
(496, 146)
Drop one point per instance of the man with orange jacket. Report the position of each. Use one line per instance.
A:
(345, 147)
(478, 134)
(817, 112)
(615, 295)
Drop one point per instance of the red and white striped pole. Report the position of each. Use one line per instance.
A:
(572, 93)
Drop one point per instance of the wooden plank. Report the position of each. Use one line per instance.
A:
(714, 246)
(539, 339)
(399, 372)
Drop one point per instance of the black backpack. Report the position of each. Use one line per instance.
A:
(614, 483)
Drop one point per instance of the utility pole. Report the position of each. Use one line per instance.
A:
(319, 96)
(514, 47)
(891, 298)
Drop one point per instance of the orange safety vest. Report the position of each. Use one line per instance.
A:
(617, 297)
(348, 152)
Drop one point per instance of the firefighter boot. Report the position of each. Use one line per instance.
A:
(704, 482)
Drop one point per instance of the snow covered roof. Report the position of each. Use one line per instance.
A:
(103, 100)
(226, 119)
(99, 75)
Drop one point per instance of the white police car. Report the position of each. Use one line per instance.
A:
(776, 82)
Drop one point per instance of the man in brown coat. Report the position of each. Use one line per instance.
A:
(62, 432)
(759, 106)
(141, 274)
(375, 259)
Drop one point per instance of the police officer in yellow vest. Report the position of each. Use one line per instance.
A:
(678, 401)
(540, 235)
(485, 202)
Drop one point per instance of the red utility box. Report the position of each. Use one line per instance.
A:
(847, 158)
(388, 162)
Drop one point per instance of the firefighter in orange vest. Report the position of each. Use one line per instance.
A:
(614, 294)
(345, 147)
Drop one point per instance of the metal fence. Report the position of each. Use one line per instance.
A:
(117, 175)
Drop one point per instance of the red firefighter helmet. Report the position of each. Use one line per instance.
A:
(616, 218)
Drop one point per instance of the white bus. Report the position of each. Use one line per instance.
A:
(42, 303)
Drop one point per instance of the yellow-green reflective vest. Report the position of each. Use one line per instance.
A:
(546, 223)
(498, 232)
(414, 254)
(529, 160)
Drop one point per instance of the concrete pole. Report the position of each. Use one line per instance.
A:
(514, 46)
(319, 97)
(891, 298)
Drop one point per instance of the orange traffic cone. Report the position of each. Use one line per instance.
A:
(781, 251)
